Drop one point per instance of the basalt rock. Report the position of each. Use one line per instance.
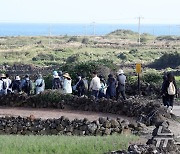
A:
(27, 126)
(147, 111)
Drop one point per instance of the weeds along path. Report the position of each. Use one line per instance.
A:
(57, 113)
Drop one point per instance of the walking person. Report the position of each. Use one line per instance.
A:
(67, 88)
(56, 83)
(26, 85)
(82, 86)
(111, 87)
(102, 90)
(3, 85)
(95, 85)
(170, 90)
(164, 96)
(121, 79)
(16, 84)
(8, 84)
(40, 84)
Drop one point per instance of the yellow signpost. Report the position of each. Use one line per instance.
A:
(138, 71)
(138, 68)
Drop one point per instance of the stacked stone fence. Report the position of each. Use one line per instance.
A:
(145, 110)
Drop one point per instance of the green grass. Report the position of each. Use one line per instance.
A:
(56, 50)
(63, 144)
(177, 81)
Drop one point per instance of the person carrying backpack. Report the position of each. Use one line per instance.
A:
(26, 85)
(82, 86)
(121, 78)
(8, 84)
(15, 85)
(3, 85)
(170, 90)
(40, 84)
(56, 83)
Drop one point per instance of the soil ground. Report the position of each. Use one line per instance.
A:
(57, 113)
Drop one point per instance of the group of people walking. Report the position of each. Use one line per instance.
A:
(98, 86)
(17, 85)
(110, 89)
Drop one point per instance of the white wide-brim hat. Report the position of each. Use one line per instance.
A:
(120, 71)
(18, 78)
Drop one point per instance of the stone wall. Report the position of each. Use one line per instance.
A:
(33, 126)
(145, 110)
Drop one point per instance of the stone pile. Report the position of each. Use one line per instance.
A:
(33, 126)
(147, 111)
(162, 142)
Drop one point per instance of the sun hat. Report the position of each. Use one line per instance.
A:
(66, 75)
(3, 75)
(120, 71)
(17, 78)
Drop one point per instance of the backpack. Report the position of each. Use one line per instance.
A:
(85, 84)
(40, 85)
(4, 85)
(171, 89)
(27, 85)
(56, 83)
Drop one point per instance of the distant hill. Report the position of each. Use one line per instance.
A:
(129, 34)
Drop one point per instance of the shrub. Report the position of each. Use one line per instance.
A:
(133, 51)
(73, 39)
(122, 56)
(73, 58)
(167, 60)
(85, 40)
(152, 77)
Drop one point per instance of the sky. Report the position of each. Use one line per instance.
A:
(89, 11)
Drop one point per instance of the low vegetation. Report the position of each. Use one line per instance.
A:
(64, 144)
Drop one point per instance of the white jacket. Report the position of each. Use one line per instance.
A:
(37, 83)
(67, 88)
(95, 83)
(2, 91)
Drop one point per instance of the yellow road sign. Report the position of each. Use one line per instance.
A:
(138, 68)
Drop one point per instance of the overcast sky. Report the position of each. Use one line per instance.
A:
(88, 11)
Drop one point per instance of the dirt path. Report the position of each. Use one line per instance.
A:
(56, 113)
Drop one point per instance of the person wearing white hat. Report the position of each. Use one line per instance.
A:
(40, 84)
(121, 78)
(67, 88)
(16, 84)
(56, 82)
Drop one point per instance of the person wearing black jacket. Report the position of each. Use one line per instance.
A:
(111, 87)
(165, 88)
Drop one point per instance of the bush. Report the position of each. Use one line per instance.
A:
(86, 68)
(73, 58)
(152, 77)
(73, 39)
(167, 60)
(85, 40)
(122, 56)
(133, 51)
(42, 56)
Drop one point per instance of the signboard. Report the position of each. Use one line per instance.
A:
(138, 68)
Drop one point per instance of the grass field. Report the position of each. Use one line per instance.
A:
(63, 144)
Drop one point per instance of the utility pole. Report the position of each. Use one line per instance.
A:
(49, 35)
(139, 27)
(94, 28)
(85, 30)
(169, 29)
